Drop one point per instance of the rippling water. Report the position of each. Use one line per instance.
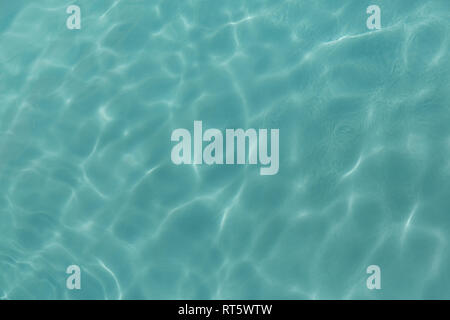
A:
(85, 171)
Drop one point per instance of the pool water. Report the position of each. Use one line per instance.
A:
(86, 176)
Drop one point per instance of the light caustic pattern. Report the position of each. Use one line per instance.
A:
(85, 170)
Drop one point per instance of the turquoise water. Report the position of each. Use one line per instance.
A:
(86, 176)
